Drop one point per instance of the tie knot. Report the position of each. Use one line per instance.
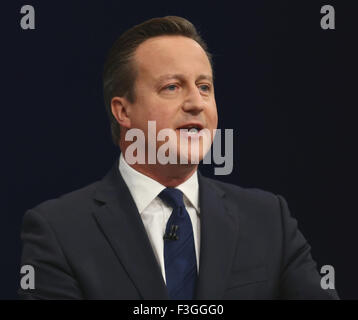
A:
(173, 197)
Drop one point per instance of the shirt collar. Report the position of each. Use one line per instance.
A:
(144, 189)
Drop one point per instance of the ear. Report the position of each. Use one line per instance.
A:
(120, 107)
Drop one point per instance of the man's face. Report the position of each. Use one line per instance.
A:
(174, 87)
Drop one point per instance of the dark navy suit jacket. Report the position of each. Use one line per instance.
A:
(92, 244)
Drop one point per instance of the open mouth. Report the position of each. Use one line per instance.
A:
(192, 128)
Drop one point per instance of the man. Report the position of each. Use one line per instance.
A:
(163, 231)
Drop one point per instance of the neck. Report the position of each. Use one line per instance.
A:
(170, 175)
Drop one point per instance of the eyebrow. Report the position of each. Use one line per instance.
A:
(182, 77)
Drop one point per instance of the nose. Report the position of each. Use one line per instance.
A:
(194, 102)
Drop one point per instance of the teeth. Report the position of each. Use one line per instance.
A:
(193, 130)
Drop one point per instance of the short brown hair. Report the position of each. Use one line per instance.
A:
(119, 73)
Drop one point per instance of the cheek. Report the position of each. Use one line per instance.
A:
(163, 123)
(213, 115)
(142, 112)
(163, 115)
(139, 120)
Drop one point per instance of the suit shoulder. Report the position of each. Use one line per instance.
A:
(68, 203)
(255, 196)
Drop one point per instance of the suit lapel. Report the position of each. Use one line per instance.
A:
(121, 223)
(218, 240)
(118, 218)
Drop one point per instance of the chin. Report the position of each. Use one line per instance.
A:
(186, 156)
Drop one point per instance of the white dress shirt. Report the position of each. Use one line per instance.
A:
(155, 212)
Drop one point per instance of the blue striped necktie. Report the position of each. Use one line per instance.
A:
(179, 249)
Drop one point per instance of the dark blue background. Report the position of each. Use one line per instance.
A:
(286, 87)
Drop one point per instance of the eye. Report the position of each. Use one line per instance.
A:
(204, 87)
(171, 87)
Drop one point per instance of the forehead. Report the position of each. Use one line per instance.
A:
(171, 54)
